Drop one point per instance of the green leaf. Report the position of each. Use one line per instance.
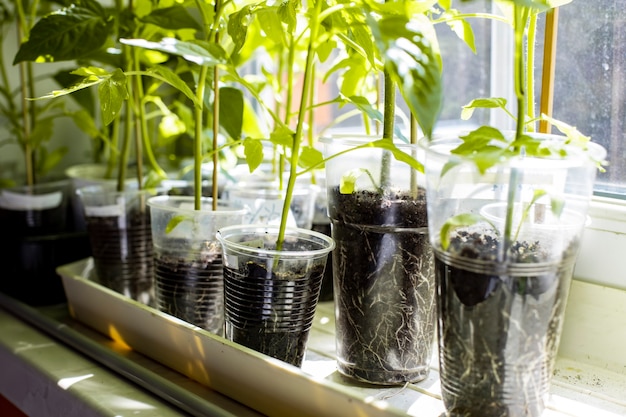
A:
(231, 111)
(454, 222)
(484, 146)
(85, 122)
(462, 29)
(237, 26)
(174, 221)
(85, 98)
(288, 11)
(174, 17)
(282, 136)
(48, 160)
(70, 33)
(398, 154)
(310, 157)
(195, 52)
(253, 151)
(42, 132)
(173, 79)
(557, 205)
(91, 76)
(482, 103)
(269, 20)
(413, 64)
(348, 180)
(112, 93)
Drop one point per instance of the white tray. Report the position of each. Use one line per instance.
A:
(275, 388)
(256, 380)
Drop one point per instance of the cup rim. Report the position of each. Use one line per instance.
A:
(222, 237)
(228, 208)
(441, 144)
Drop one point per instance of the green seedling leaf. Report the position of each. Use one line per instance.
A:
(174, 221)
(454, 222)
(231, 111)
(152, 181)
(537, 194)
(174, 18)
(237, 26)
(83, 120)
(310, 157)
(398, 154)
(461, 28)
(256, 243)
(282, 136)
(482, 103)
(42, 132)
(69, 33)
(557, 205)
(348, 180)
(253, 151)
(112, 93)
(484, 146)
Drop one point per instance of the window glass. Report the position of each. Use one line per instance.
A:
(590, 84)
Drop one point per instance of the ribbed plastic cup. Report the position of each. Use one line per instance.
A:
(118, 224)
(189, 279)
(271, 295)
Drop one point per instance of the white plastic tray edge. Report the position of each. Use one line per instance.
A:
(258, 381)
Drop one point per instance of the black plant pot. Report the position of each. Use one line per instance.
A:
(29, 265)
(384, 286)
(37, 238)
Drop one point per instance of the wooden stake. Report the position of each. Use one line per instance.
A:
(549, 62)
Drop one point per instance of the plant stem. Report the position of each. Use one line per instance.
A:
(389, 114)
(28, 111)
(304, 100)
(216, 118)
(137, 110)
(121, 174)
(199, 124)
(530, 60)
(413, 173)
(197, 156)
(521, 19)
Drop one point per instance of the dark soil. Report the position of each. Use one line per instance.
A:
(326, 292)
(191, 290)
(499, 325)
(123, 255)
(384, 286)
(271, 314)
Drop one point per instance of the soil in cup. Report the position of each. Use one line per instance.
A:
(271, 314)
(499, 332)
(191, 290)
(384, 286)
(123, 255)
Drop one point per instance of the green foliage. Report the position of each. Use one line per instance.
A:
(70, 33)
(413, 64)
(455, 222)
(487, 146)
